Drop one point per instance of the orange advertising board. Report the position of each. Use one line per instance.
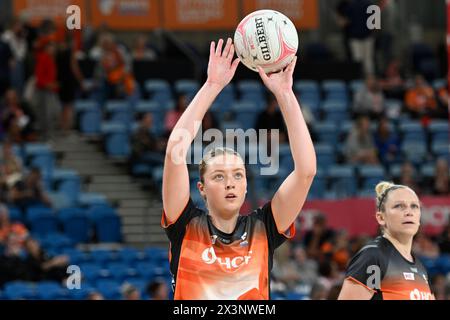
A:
(303, 13)
(200, 14)
(37, 10)
(126, 14)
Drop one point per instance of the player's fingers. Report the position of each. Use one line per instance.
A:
(226, 51)
(231, 53)
(219, 47)
(262, 74)
(291, 66)
(212, 48)
(235, 64)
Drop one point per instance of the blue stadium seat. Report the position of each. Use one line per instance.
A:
(325, 155)
(67, 182)
(145, 270)
(91, 198)
(108, 228)
(42, 220)
(157, 175)
(246, 112)
(157, 255)
(251, 90)
(50, 290)
(412, 131)
(15, 215)
(104, 256)
(131, 255)
(227, 96)
(319, 185)
(157, 86)
(19, 290)
(117, 142)
(77, 256)
(119, 111)
(158, 112)
(56, 240)
(188, 86)
(440, 149)
(122, 271)
(326, 132)
(91, 271)
(371, 175)
(109, 288)
(310, 86)
(335, 110)
(342, 180)
(427, 170)
(96, 211)
(439, 131)
(76, 225)
(356, 85)
(415, 152)
(89, 116)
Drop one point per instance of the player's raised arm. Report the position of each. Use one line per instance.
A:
(290, 197)
(175, 186)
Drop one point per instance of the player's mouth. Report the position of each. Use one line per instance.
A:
(409, 222)
(230, 196)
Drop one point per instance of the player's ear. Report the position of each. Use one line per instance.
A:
(380, 218)
(201, 188)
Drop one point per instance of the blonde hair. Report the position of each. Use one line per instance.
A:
(382, 190)
(219, 151)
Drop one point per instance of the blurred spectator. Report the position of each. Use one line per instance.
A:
(359, 147)
(157, 290)
(438, 286)
(70, 79)
(30, 192)
(305, 268)
(384, 37)
(387, 142)
(12, 234)
(340, 249)
(361, 38)
(141, 50)
(441, 183)
(145, 146)
(334, 291)
(95, 296)
(283, 269)
(408, 177)
(17, 118)
(173, 115)
(209, 121)
(15, 36)
(358, 243)
(47, 105)
(393, 83)
(442, 94)
(11, 165)
(369, 100)
(40, 266)
(423, 246)
(130, 292)
(271, 118)
(6, 61)
(329, 274)
(444, 240)
(420, 100)
(343, 23)
(318, 291)
(114, 70)
(319, 237)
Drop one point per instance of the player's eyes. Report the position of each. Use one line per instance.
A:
(238, 175)
(218, 177)
(415, 206)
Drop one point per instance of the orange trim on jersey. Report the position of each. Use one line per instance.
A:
(362, 284)
(290, 232)
(165, 223)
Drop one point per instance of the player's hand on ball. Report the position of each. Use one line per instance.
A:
(221, 66)
(281, 81)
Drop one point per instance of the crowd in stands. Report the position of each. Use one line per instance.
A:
(41, 84)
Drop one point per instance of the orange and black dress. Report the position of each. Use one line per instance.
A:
(207, 264)
(383, 270)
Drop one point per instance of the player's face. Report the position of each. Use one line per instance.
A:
(225, 184)
(402, 212)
